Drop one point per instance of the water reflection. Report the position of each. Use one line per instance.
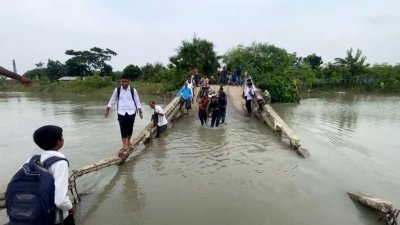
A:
(122, 190)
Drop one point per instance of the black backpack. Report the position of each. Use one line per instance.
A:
(132, 93)
(30, 193)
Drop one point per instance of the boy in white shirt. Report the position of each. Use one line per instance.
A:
(128, 103)
(162, 121)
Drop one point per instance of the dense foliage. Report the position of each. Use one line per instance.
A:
(82, 63)
(271, 68)
(132, 71)
(199, 54)
(284, 74)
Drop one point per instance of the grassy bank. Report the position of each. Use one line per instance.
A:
(83, 87)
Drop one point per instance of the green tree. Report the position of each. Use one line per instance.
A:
(355, 64)
(37, 75)
(199, 54)
(313, 61)
(55, 69)
(39, 65)
(132, 71)
(388, 77)
(271, 67)
(306, 75)
(83, 63)
(334, 75)
(151, 71)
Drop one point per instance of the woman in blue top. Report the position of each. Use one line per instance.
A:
(186, 95)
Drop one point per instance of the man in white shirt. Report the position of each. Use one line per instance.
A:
(249, 93)
(128, 103)
(162, 121)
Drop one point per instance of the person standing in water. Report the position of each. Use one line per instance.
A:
(203, 103)
(162, 121)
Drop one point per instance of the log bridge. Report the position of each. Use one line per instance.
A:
(173, 111)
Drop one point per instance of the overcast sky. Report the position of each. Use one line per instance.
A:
(151, 30)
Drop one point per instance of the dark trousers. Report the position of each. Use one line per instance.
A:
(126, 124)
(186, 102)
(248, 105)
(222, 112)
(69, 220)
(215, 118)
(203, 116)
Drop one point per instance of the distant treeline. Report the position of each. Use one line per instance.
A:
(283, 74)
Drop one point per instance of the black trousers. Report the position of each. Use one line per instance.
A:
(126, 124)
(215, 118)
(69, 220)
(248, 105)
(203, 116)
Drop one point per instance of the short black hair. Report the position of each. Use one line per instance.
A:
(124, 77)
(46, 137)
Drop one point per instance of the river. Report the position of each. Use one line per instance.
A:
(239, 173)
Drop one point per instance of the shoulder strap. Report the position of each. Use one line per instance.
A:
(132, 93)
(118, 93)
(35, 159)
(50, 161)
(133, 97)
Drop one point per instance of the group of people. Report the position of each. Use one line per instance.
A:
(45, 176)
(211, 105)
(249, 93)
(214, 106)
(50, 138)
(230, 78)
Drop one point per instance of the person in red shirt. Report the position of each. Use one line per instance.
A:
(203, 103)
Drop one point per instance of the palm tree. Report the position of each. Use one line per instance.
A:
(355, 64)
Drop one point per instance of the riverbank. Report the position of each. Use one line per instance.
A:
(83, 88)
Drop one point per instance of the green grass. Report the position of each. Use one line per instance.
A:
(83, 87)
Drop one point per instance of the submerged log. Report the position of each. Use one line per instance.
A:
(390, 213)
(372, 202)
(266, 113)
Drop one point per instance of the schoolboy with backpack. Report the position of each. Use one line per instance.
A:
(38, 192)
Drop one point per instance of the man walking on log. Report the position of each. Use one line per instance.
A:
(128, 104)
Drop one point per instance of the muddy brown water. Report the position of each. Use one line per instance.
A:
(238, 173)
